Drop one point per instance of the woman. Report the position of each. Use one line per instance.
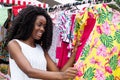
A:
(29, 39)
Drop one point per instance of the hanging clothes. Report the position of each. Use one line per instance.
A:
(56, 36)
(84, 26)
(3, 31)
(63, 36)
(3, 15)
(100, 56)
(64, 39)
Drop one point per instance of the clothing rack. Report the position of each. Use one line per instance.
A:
(50, 9)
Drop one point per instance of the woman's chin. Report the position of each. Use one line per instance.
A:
(38, 38)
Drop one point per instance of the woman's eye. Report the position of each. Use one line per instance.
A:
(40, 24)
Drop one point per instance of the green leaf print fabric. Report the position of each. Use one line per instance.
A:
(100, 57)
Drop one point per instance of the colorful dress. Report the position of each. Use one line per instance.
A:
(100, 56)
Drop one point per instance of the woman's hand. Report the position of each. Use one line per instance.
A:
(75, 47)
(70, 73)
(71, 60)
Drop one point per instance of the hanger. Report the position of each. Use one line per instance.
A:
(80, 3)
(74, 6)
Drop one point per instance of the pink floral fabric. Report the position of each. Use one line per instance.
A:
(100, 57)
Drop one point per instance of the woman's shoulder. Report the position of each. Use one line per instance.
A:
(13, 43)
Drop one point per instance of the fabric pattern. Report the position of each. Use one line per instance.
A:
(88, 23)
(56, 36)
(100, 57)
(62, 49)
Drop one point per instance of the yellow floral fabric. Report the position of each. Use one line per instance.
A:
(100, 57)
(80, 22)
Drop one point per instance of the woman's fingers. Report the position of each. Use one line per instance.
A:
(70, 73)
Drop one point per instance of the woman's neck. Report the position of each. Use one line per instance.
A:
(30, 42)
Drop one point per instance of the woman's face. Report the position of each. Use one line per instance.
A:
(39, 27)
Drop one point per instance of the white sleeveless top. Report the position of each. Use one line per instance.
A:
(36, 58)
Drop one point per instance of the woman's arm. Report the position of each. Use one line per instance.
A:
(71, 60)
(52, 66)
(25, 66)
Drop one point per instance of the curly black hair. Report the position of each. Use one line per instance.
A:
(23, 24)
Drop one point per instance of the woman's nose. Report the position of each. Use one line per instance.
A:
(42, 28)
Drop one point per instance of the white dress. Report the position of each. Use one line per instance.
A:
(36, 58)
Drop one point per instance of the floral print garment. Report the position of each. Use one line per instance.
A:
(100, 57)
(80, 21)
